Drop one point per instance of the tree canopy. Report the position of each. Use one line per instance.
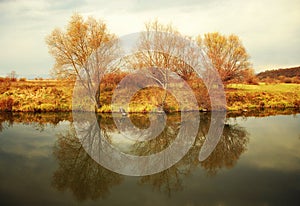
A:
(227, 54)
(85, 50)
(85, 45)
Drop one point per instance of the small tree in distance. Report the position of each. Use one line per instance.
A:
(12, 75)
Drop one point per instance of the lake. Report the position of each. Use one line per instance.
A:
(256, 162)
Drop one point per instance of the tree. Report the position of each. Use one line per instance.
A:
(227, 53)
(161, 51)
(155, 46)
(249, 76)
(13, 75)
(72, 50)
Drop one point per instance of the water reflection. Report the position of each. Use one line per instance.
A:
(79, 172)
(42, 152)
(89, 180)
(230, 147)
(232, 144)
(39, 120)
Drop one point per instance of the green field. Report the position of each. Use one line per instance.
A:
(262, 87)
(241, 96)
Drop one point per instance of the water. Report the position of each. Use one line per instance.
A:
(256, 162)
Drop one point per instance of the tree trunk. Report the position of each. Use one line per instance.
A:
(97, 98)
(165, 88)
(165, 96)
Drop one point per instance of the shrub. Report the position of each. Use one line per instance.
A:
(296, 80)
(268, 80)
(6, 104)
(23, 79)
(252, 80)
(287, 80)
(4, 86)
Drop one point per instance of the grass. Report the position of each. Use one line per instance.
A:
(55, 95)
(37, 96)
(262, 87)
(241, 96)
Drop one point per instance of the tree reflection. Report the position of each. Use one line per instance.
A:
(87, 179)
(162, 141)
(169, 180)
(228, 150)
(37, 120)
(79, 172)
(5, 117)
(232, 144)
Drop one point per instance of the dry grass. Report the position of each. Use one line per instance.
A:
(54, 95)
(37, 96)
(241, 96)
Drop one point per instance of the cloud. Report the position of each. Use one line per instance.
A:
(154, 5)
(269, 30)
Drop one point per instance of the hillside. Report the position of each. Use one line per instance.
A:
(276, 73)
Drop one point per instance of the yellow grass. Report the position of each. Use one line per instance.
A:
(56, 95)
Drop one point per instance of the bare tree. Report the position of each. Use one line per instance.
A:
(85, 45)
(13, 75)
(161, 51)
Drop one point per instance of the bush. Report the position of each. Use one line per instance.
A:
(268, 80)
(4, 85)
(23, 79)
(249, 77)
(287, 80)
(296, 80)
(5, 79)
(6, 104)
(252, 80)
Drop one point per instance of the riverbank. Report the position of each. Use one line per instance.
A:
(56, 96)
(280, 96)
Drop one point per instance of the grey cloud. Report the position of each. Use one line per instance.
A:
(144, 5)
(269, 29)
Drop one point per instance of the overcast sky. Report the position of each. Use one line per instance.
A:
(270, 30)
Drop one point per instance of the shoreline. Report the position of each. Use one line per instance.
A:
(56, 96)
(239, 110)
(229, 113)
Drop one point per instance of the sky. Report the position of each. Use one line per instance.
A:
(269, 30)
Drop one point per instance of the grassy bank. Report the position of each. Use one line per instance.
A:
(36, 96)
(241, 96)
(54, 95)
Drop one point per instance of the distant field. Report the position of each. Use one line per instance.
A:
(262, 87)
(54, 95)
(241, 96)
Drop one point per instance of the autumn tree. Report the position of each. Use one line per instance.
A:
(227, 53)
(161, 51)
(84, 50)
(155, 46)
(249, 76)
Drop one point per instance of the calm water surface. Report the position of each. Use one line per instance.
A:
(256, 162)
